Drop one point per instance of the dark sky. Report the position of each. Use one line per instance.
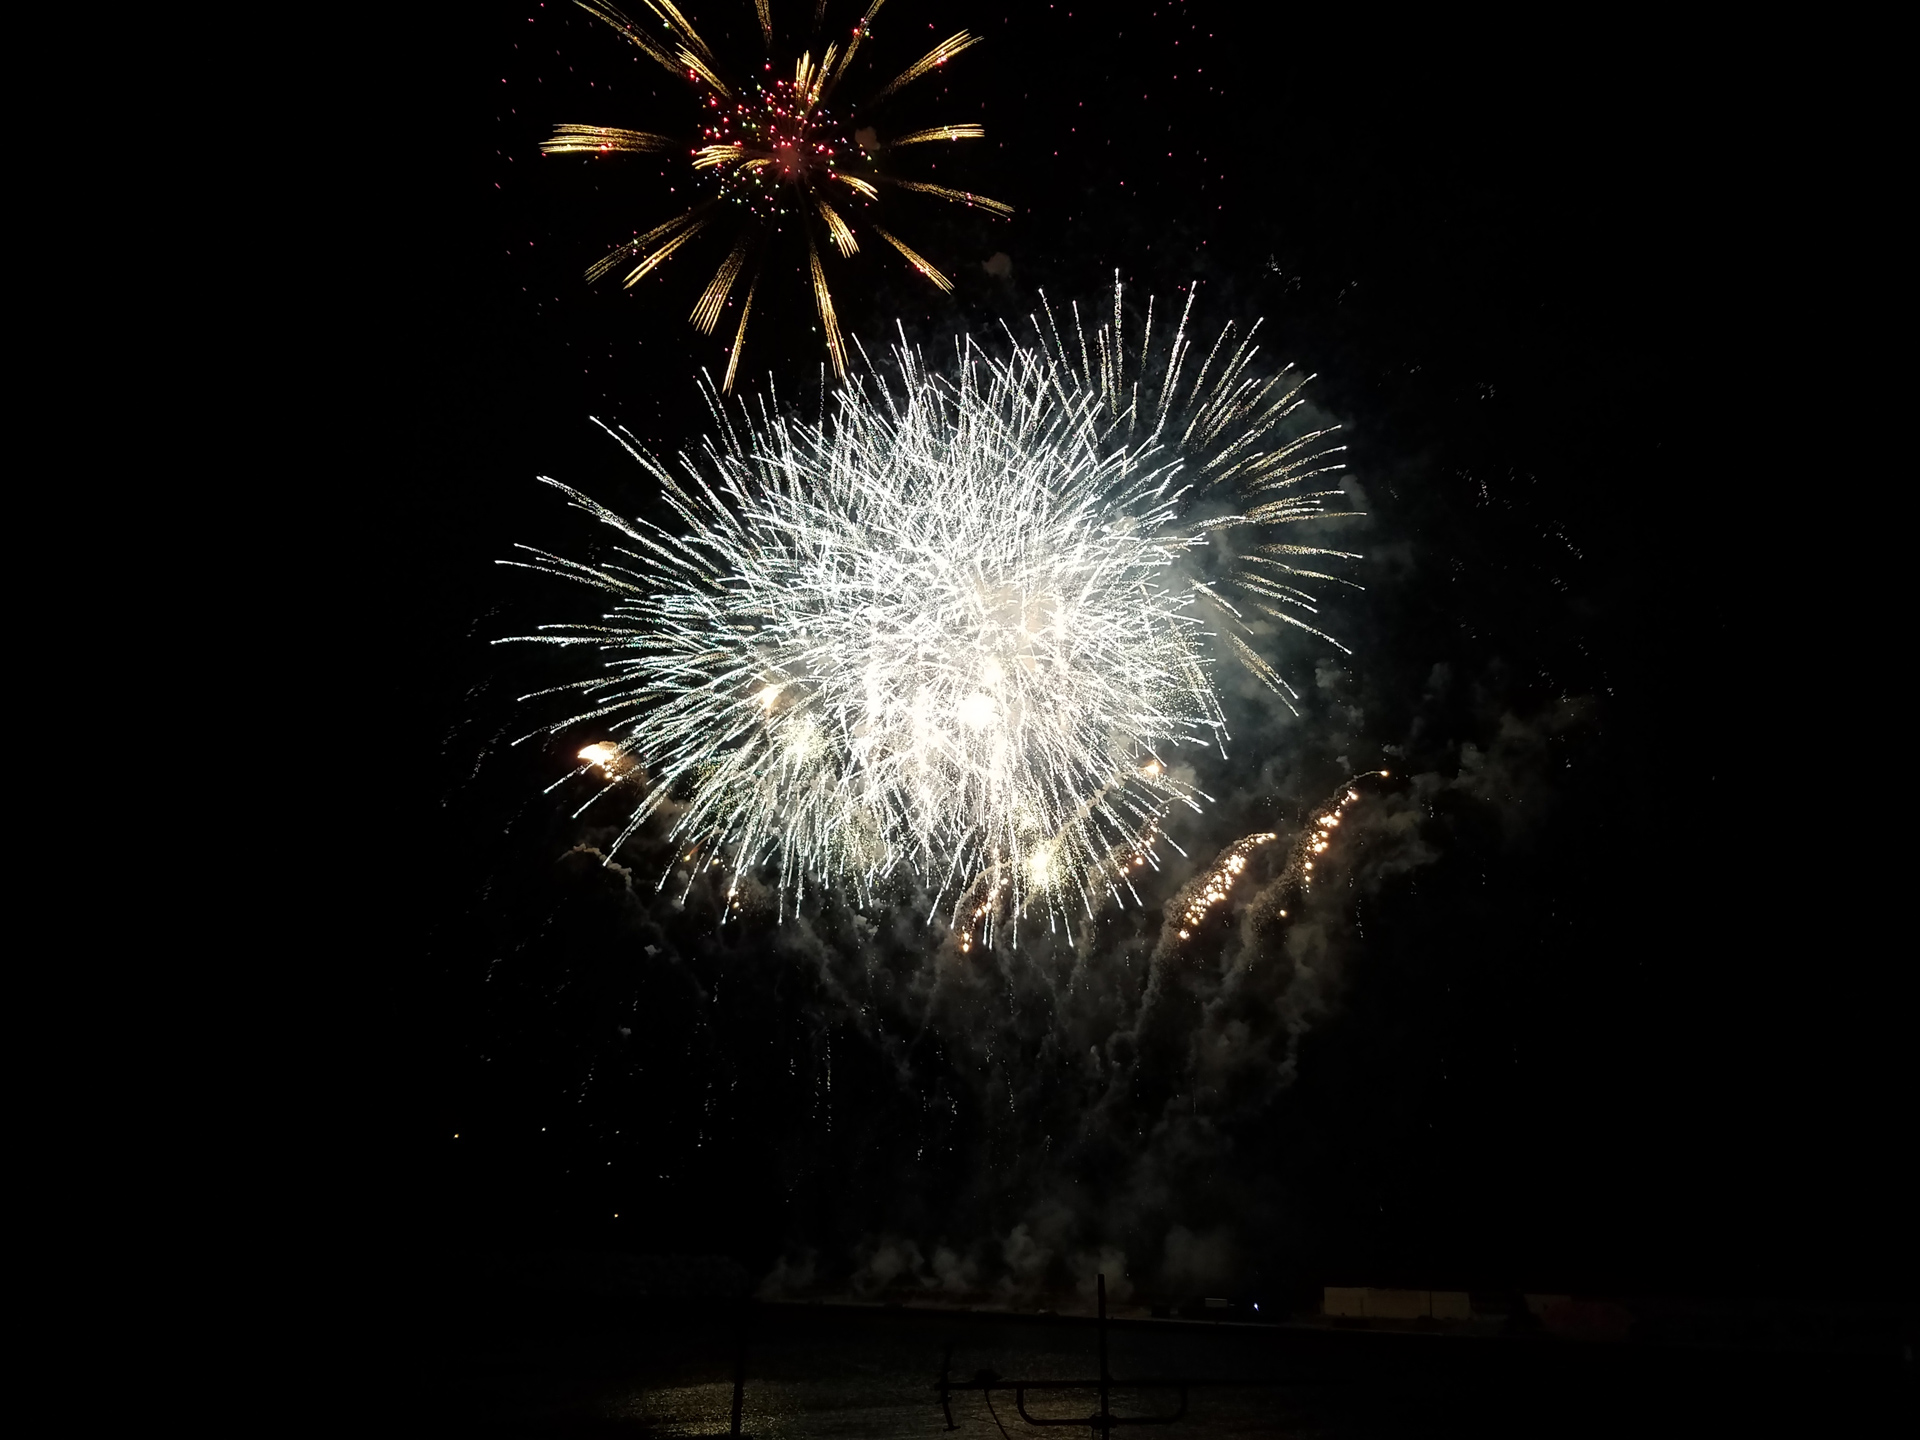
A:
(1603, 1023)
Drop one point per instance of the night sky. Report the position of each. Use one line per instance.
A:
(1581, 1005)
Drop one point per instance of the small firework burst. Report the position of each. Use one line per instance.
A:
(779, 160)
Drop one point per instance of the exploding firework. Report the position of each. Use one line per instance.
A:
(963, 628)
(779, 161)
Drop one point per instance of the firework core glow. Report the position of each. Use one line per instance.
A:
(959, 631)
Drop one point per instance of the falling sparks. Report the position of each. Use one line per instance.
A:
(1213, 887)
(779, 161)
(1319, 835)
(953, 631)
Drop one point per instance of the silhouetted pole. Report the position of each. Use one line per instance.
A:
(740, 1363)
(1106, 1415)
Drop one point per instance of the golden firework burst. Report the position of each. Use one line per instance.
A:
(777, 160)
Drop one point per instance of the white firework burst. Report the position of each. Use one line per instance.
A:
(961, 628)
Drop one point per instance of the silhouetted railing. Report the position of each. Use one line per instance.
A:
(1102, 1422)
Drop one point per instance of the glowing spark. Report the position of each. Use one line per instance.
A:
(934, 58)
(602, 140)
(914, 260)
(823, 301)
(706, 314)
(842, 237)
(954, 629)
(610, 760)
(938, 132)
(708, 156)
(638, 243)
(739, 336)
(664, 249)
(1040, 869)
(697, 67)
(959, 197)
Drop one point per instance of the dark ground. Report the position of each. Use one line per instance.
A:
(584, 1367)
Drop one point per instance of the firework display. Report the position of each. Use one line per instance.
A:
(779, 160)
(963, 628)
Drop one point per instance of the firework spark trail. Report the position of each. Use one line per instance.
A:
(778, 160)
(954, 630)
(1212, 886)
